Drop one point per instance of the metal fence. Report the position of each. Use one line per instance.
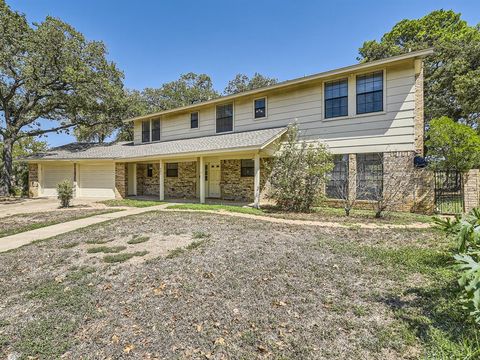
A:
(449, 197)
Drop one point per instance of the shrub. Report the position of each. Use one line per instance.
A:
(466, 231)
(298, 172)
(65, 193)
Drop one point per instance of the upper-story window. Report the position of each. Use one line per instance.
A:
(146, 131)
(194, 120)
(155, 130)
(370, 92)
(260, 108)
(336, 98)
(224, 118)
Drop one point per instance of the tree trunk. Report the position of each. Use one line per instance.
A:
(7, 170)
(347, 211)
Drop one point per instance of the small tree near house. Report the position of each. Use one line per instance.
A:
(65, 193)
(298, 173)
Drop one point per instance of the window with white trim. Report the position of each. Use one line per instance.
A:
(336, 98)
(156, 130)
(370, 92)
(224, 118)
(260, 108)
(194, 120)
(146, 131)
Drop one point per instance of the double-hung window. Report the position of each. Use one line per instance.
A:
(337, 184)
(336, 98)
(194, 120)
(247, 168)
(369, 176)
(260, 108)
(156, 130)
(172, 169)
(224, 118)
(146, 131)
(370, 92)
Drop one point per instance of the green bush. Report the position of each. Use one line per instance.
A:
(466, 231)
(298, 171)
(65, 193)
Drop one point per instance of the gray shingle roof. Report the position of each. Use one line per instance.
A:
(125, 150)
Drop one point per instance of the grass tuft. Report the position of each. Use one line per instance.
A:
(70, 245)
(175, 253)
(200, 235)
(106, 249)
(138, 240)
(123, 257)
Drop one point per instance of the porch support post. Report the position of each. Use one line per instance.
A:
(161, 174)
(256, 181)
(202, 181)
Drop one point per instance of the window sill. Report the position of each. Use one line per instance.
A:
(355, 116)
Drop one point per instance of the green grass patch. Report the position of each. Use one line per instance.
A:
(118, 258)
(195, 244)
(430, 311)
(70, 245)
(138, 239)
(396, 217)
(106, 249)
(200, 235)
(175, 253)
(98, 241)
(230, 208)
(131, 203)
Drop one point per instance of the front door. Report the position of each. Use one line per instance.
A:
(214, 179)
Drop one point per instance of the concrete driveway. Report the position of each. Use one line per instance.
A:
(20, 206)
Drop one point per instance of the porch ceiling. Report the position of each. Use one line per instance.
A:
(239, 141)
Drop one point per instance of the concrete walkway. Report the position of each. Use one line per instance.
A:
(17, 240)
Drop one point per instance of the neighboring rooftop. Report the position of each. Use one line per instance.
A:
(248, 140)
(298, 81)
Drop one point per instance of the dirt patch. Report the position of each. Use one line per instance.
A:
(243, 288)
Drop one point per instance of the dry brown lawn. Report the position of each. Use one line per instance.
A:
(209, 286)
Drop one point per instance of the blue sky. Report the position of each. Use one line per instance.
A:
(155, 41)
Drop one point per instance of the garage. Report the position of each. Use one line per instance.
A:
(96, 180)
(52, 174)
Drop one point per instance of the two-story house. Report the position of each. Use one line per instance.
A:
(369, 114)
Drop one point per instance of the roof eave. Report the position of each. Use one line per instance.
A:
(298, 81)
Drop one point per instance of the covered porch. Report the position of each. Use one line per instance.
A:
(238, 178)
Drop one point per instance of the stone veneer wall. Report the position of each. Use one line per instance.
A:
(183, 186)
(121, 179)
(235, 187)
(33, 184)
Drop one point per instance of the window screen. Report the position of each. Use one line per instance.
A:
(172, 169)
(146, 131)
(194, 120)
(260, 108)
(155, 130)
(247, 168)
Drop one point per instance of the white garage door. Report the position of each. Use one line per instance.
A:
(52, 174)
(96, 180)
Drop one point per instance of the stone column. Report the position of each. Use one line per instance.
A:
(256, 181)
(352, 176)
(33, 180)
(202, 180)
(120, 180)
(161, 174)
(471, 189)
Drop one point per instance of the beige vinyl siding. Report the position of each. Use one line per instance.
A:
(389, 130)
(96, 180)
